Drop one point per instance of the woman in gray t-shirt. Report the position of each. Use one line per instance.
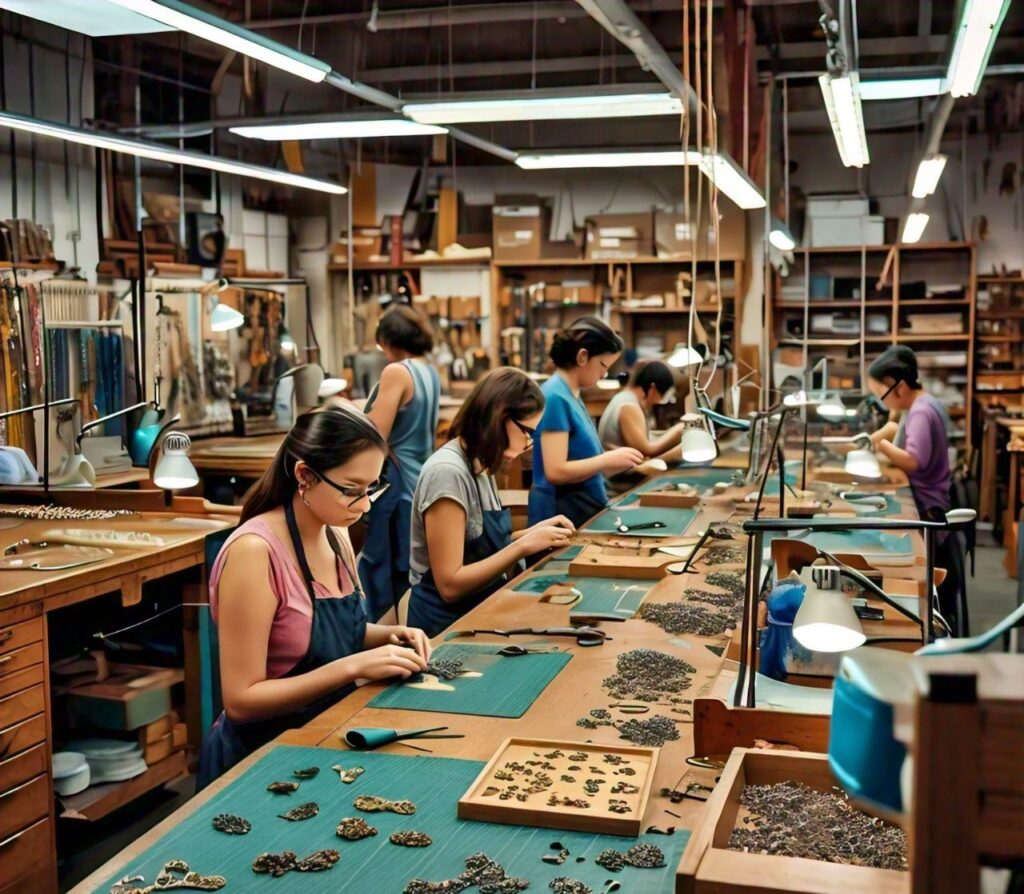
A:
(462, 544)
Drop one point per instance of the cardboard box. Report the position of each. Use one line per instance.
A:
(366, 246)
(519, 231)
(619, 236)
(463, 308)
(838, 205)
(842, 231)
(588, 294)
(673, 235)
(132, 696)
(565, 248)
(150, 732)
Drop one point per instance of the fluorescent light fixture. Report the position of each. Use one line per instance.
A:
(863, 464)
(224, 318)
(341, 129)
(97, 18)
(645, 158)
(842, 102)
(976, 34)
(913, 229)
(826, 621)
(524, 106)
(184, 17)
(781, 239)
(928, 173)
(684, 357)
(902, 88)
(157, 152)
(727, 176)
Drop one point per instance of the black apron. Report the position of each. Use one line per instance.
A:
(427, 610)
(576, 503)
(338, 630)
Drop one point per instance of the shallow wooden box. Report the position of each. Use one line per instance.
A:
(673, 500)
(536, 812)
(708, 867)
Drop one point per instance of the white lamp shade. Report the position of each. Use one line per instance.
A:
(684, 356)
(331, 387)
(863, 464)
(826, 622)
(832, 408)
(224, 318)
(697, 443)
(175, 471)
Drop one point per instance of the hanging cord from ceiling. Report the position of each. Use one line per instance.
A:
(713, 191)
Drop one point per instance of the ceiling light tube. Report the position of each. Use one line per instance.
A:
(902, 88)
(541, 161)
(226, 34)
(157, 152)
(341, 129)
(842, 102)
(913, 229)
(526, 107)
(928, 173)
(976, 34)
(731, 180)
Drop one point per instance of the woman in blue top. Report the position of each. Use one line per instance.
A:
(569, 468)
(404, 408)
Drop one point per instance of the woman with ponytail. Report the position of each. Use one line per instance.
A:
(293, 632)
(569, 468)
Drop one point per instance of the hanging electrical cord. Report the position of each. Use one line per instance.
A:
(713, 193)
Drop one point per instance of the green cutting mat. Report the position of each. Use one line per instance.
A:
(613, 598)
(374, 866)
(507, 688)
(702, 479)
(676, 520)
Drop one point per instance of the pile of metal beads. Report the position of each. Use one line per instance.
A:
(230, 824)
(411, 839)
(302, 812)
(564, 885)
(732, 581)
(354, 828)
(651, 732)
(286, 861)
(481, 872)
(374, 804)
(646, 675)
(640, 856)
(64, 513)
(444, 668)
(598, 717)
(319, 861)
(687, 617)
(724, 555)
(791, 819)
(722, 600)
(175, 874)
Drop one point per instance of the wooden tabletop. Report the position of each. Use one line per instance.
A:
(570, 696)
(114, 479)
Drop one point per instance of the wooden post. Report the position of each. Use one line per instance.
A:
(944, 817)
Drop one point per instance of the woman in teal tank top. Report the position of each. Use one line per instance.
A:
(404, 407)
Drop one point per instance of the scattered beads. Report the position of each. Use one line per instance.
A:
(444, 668)
(308, 773)
(481, 872)
(302, 812)
(373, 804)
(283, 788)
(651, 732)
(348, 776)
(646, 675)
(354, 828)
(411, 839)
(275, 864)
(687, 617)
(564, 885)
(231, 825)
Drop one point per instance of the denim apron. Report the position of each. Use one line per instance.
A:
(337, 630)
(427, 610)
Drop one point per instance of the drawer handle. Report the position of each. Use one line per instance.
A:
(16, 836)
(6, 635)
(5, 658)
(18, 788)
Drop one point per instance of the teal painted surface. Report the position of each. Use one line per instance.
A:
(601, 596)
(374, 866)
(507, 687)
(676, 520)
(702, 479)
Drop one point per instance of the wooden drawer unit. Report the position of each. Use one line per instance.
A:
(19, 659)
(21, 706)
(22, 767)
(27, 860)
(22, 735)
(23, 805)
(15, 636)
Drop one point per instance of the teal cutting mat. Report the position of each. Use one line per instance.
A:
(507, 687)
(676, 520)
(610, 597)
(373, 865)
(702, 479)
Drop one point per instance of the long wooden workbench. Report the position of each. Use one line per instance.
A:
(28, 599)
(554, 714)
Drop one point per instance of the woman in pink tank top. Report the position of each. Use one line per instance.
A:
(293, 632)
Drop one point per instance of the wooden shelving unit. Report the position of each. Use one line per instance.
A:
(999, 366)
(874, 288)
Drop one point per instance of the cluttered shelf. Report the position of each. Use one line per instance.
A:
(934, 336)
(824, 304)
(411, 264)
(704, 308)
(604, 262)
(98, 801)
(931, 302)
(857, 249)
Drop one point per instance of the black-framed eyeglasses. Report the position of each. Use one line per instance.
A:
(530, 433)
(374, 491)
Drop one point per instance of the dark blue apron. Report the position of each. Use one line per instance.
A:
(384, 560)
(576, 503)
(427, 610)
(338, 629)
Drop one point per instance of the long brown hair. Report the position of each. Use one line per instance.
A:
(504, 393)
(322, 438)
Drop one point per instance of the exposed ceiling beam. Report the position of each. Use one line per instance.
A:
(442, 16)
(869, 46)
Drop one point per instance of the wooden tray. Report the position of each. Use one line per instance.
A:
(536, 811)
(599, 561)
(709, 867)
(674, 500)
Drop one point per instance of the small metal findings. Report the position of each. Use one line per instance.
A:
(732, 581)
(175, 874)
(481, 872)
(611, 859)
(615, 759)
(646, 675)
(569, 779)
(444, 668)
(616, 805)
(626, 771)
(503, 776)
(652, 732)
(283, 788)
(564, 885)
(349, 775)
(657, 830)
(275, 864)
(624, 788)
(645, 856)
(411, 839)
(610, 886)
(578, 756)
(578, 803)
(575, 768)
(319, 861)
(308, 773)
(230, 824)
(555, 755)
(354, 828)
(491, 791)
(302, 812)
(688, 618)
(374, 804)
